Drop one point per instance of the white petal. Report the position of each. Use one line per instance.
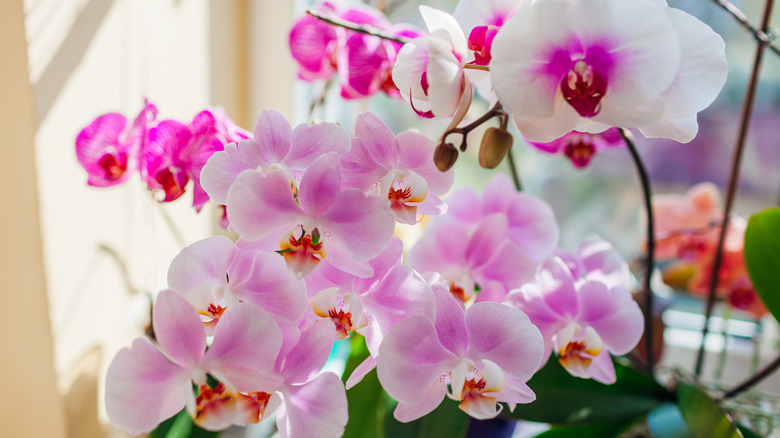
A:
(682, 130)
(493, 375)
(410, 64)
(444, 26)
(445, 79)
(473, 13)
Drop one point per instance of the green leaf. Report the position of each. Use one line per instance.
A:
(446, 421)
(564, 399)
(598, 430)
(181, 426)
(704, 417)
(366, 400)
(747, 433)
(762, 257)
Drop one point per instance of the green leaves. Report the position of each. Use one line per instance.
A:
(762, 257)
(704, 417)
(181, 426)
(564, 399)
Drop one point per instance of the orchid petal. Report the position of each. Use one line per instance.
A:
(260, 204)
(613, 314)
(203, 262)
(310, 353)
(273, 136)
(178, 329)
(317, 408)
(320, 185)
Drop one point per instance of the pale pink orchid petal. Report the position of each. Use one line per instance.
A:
(362, 224)
(555, 280)
(316, 408)
(379, 140)
(381, 264)
(260, 204)
(602, 369)
(246, 343)
(450, 325)
(541, 130)
(517, 351)
(415, 152)
(402, 293)
(517, 391)
(320, 185)
(602, 262)
(531, 300)
(682, 130)
(489, 234)
(309, 141)
(412, 362)
(203, 262)
(437, 250)
(273, 136)
(360, 371)
(310, 353)
(222, 169)
(421, 406)
(613, 314)
(264, 280)
(178, 329)
(143, 388)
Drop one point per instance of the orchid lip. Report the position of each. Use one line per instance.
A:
(583, 87)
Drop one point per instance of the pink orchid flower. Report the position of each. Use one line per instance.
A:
(176, 153)
(429, 70)
(531, 221)
(275, 145)
(315, 221)
(581, 147)
(400, 167)
(109, 148)
(583, 322)
(481, 258)
(314, 45)
(146, 385)
(485, 355)
(564, 66)
(214, 275)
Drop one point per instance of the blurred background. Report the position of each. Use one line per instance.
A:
(78, 262)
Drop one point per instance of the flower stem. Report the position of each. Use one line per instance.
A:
(368, 30)
(747, 111)
(476, 67)
(513, 169)
(760, 35)
(759, 376)
(650, 260)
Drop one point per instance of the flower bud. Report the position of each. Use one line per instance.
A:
(445, 156)
(495, 145)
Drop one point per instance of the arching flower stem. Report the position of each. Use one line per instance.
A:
(368, 30)
(496, 111)
(650, 257)
(736, 161)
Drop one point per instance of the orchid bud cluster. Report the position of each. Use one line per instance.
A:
(168, 154)
(245, 328)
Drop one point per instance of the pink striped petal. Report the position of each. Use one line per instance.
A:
(315, 409)
(273, 136)
(310, 353)
(178, 329)
(310, 141)
(222, 169)
(143, 388)
(260, 204)
(203, 262)
(320, 185)
(614, 315)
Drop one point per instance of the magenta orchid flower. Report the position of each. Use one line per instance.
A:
(146, 385)
(312, 222)
(176, 153)
(485, 355)
(400, 167)
(109, 148)
(275, 145)
(564, 66)
(581, 147)
(314, 45)
(583, 322)
(214, 275)
(531, 221)
(474, 259)
(429, 69)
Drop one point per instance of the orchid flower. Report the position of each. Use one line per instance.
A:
(400, 167)
(597, 260)
(214, 275)
(429, 70)
(109, 148)
(531, 221)
(275, 145)
(176, 153)
(581, 147)
(470, 260)
(146, 385)
(485, 355)
(583, 322)
(312, 222)
(560, 66)
(314, 45)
